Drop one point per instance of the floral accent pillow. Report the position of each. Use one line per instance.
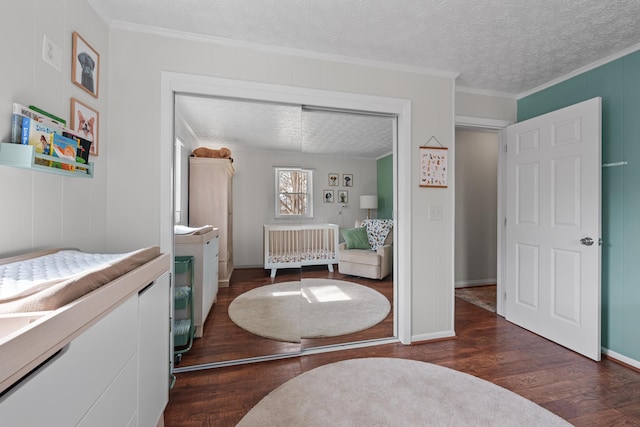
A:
(377, 231)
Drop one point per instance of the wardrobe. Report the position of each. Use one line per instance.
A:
(211, 203)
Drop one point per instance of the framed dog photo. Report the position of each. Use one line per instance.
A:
(327, 195)
(334, 179)
(85, 65)
(343, 196)
(84, 123)
(347, 180)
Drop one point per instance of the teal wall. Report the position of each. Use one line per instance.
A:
(618, 83)
(385, 187)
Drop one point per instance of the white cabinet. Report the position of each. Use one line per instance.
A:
(116, 373)
(204, 249)
(211, 203)
(154, 351)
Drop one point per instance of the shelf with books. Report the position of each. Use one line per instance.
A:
(25, 157)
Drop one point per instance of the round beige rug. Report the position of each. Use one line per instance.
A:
(394, 392)
(311, 308)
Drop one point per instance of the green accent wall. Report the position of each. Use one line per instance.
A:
(385, 187)
(618, 83)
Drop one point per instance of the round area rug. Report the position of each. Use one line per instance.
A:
(311, 308)
(394, 392)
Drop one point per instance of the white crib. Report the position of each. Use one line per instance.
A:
(298, 245)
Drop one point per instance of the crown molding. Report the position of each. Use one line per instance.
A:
(128, 26)
(581, 70)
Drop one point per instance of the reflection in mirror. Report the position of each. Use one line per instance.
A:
(262, 136)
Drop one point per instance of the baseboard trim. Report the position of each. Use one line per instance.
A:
(477, 282)
(418, 339)
(617, 357)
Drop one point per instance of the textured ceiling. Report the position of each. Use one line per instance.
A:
(508, 46)
(241, 125)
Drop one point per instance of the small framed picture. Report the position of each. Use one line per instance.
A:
(347, 180)
(85, 65)
(334, 179)
(343, 196)
(84, 122)
(327, 195)
(433, 167)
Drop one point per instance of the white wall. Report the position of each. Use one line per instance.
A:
(488, 106)
(133, 214)
(41, 210)
(254, 197)
(476, 207)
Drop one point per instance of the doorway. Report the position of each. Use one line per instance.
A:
(476, 216)
(488, 129)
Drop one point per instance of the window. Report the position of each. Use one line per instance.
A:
(294, 193)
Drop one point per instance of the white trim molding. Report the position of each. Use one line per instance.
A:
(481, 122)
(241, 44)
(581, 70)
(620, 358)
(418, 339)
(172, 83)
(477, 282)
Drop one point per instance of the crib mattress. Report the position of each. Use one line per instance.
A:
(48, 280)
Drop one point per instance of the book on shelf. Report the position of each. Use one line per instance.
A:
(20, 112)
(83, 147)
(62, 122)
(64, 148)
(38, 135)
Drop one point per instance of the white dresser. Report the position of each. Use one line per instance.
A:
(116, 373)
(204, 250)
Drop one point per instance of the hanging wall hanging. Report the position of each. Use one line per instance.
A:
(433, 165)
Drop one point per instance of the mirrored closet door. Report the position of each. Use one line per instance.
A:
(296, 180)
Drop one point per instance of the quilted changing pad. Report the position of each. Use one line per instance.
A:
(50, 279)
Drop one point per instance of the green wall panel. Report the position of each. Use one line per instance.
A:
(385, 187)
(618, 83)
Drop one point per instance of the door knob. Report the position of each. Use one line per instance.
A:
(587, 241)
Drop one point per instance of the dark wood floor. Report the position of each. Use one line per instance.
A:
(223, 340)
(581, 391)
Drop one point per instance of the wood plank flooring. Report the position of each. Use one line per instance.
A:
(581, 391)
(223, 340)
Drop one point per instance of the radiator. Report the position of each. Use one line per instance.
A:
(295, 246)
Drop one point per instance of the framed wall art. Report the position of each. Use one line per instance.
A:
(327, 196)
(334, 179)
(433, 167)
(347, 180)
(85, 65)
(343, 196)
(85, 123)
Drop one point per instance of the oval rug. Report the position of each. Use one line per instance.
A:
(311, 308)
(394, 392)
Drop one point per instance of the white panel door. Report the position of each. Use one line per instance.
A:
(553, 226)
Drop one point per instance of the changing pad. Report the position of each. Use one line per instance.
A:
(46, 281)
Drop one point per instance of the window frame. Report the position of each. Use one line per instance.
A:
(278, 170)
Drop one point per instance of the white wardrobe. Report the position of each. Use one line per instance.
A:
(211, 203)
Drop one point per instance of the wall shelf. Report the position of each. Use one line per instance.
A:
(24, 157)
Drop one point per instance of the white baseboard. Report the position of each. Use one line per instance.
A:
(619, 357)
(477, 282)
(415, 339)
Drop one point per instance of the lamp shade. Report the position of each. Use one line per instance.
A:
(368, 202)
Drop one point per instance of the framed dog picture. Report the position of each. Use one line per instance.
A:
(84, 123)
(85, 65)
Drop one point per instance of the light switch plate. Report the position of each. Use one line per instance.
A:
(51, 53)
(435, 213)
